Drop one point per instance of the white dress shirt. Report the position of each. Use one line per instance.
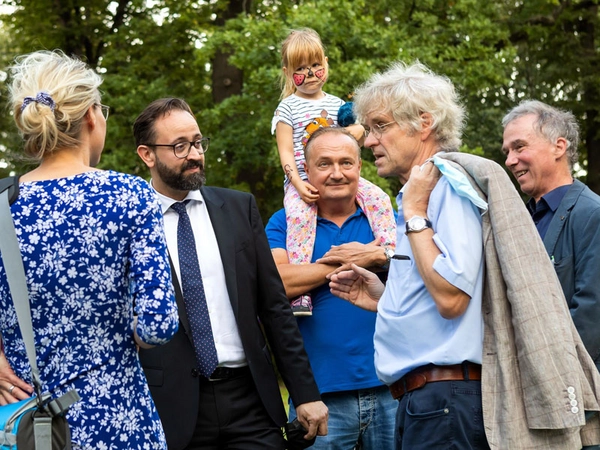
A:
(224, 327)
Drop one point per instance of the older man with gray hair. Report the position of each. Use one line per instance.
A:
(465, 257)
(540, 144)
(429, 332)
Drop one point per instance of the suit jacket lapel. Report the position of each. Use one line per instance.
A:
(562, 213)
(222, 223)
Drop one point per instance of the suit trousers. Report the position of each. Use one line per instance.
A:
(232, 416)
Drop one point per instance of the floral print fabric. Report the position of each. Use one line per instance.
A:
(94, 255)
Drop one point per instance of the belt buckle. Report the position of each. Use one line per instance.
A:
(217, 375)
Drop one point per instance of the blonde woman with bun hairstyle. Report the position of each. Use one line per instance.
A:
(95, 261)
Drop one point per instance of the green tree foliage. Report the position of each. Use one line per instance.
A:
(557, 61)
(496, 53)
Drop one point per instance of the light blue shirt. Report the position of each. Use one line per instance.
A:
(410, 332)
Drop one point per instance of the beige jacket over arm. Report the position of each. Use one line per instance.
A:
(538, 379)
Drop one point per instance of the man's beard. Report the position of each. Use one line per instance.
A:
(177, 180)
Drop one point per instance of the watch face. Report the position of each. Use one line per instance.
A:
(417, 223)
(389, 253)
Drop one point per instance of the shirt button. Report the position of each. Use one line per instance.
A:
(571, 390)
(574, 409)
(572, 396)
(573, 402)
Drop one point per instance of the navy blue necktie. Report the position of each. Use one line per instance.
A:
(193, 293)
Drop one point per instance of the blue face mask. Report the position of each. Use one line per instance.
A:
(460, 183)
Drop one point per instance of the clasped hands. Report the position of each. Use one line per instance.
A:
(358, 285)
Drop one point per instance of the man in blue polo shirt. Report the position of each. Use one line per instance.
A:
(338, 337)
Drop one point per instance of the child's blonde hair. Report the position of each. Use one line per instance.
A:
(67, 88)
(300, 46)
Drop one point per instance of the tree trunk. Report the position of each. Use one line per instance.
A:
(591, 97)
(227, 80)
(592, 143)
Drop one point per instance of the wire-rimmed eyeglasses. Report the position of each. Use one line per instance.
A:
(181, 150)
(105, 110)
(377, 129)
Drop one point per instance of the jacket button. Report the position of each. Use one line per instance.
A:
(195, 373)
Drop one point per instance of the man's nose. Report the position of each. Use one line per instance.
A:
(196, 153)
(370, 141)
(336, 171)
(511, 160)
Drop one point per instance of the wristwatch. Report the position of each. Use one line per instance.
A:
(389, 254)
(416, 224)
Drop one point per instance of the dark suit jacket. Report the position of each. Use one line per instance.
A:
(257, 297)
(573, 242)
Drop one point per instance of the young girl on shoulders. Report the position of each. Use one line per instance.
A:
(305, 107)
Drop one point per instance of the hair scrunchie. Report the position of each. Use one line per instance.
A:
(42, 97)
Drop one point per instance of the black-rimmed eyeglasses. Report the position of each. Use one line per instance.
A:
(182, 149)
(377, 129)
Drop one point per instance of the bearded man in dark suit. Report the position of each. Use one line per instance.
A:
(238, 404)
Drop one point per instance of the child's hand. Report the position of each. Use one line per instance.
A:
(308, 192)
(358, 131)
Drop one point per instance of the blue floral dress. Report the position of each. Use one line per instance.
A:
(94, 255)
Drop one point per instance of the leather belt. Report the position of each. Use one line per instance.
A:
(227, 373)
(430, 373)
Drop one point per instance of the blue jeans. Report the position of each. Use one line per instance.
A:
(363, 417)
(441, 415)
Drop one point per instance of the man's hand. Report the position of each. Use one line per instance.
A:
(416, 192)
(313, 416)
(359, 286)
(363, 255)
(450, 301)
(12, 388)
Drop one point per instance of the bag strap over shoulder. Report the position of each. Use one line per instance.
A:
(12, 184)
(15, 273)
(17, 282)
